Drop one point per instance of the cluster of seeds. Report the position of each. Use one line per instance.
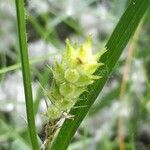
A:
(71, 77)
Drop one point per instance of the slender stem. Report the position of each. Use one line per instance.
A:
(26, 72)
(126, 72)
(32, 61)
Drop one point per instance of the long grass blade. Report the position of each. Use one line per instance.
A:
(26, 72)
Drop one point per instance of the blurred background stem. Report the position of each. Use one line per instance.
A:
(124, 82)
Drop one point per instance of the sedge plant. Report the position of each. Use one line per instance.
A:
(70, 80)
(73, 79)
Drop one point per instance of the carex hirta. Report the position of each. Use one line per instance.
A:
(71, 78)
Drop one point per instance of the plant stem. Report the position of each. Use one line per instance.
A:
(26, 72)
(125, 78)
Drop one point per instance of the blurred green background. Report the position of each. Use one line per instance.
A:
(121, 115)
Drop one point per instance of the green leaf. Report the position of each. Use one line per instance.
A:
(117, 42)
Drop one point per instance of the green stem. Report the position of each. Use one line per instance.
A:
(26, 72)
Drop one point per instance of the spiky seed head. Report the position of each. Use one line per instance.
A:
(72, 76)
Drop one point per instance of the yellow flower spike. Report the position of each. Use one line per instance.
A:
(72, 76)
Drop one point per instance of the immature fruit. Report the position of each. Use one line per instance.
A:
(66, 89)
(71, 77)
(53, 112)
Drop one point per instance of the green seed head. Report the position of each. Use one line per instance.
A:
(72, 76)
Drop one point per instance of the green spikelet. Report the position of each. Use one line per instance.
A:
(71, 77)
